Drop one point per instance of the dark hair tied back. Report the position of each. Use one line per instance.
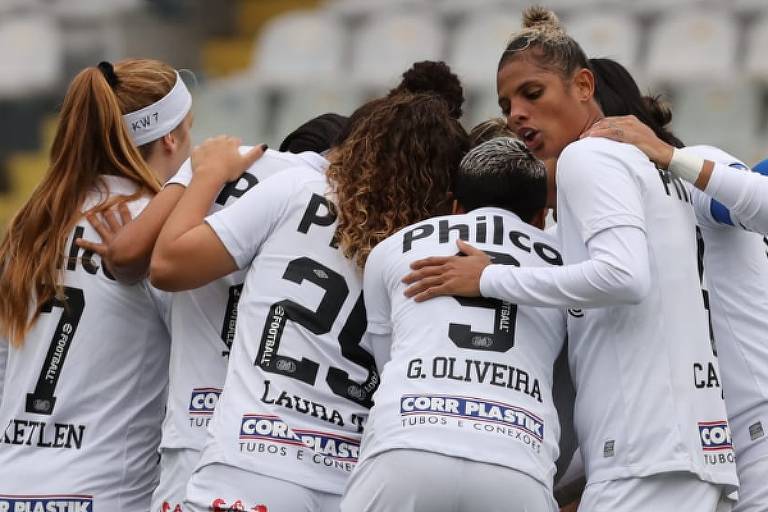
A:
(108, 70)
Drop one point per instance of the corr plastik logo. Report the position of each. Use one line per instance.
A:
(715, 435)
(470, 408)
(46, 503)
(203, 401)
(273, 429)
(220, 505)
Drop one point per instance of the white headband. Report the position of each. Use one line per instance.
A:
(160, 118)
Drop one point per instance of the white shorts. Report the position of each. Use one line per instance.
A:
(753, 487)
(176, 467)
(665, 492)
(222, 488)
(420, 481)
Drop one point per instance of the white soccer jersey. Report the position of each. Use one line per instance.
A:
(3, 362)
(640, 408)
(84, 395)
(299, 383)
(203, 320)
(735, 269)
(468, 378)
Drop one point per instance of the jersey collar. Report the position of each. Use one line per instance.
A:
(314, 160)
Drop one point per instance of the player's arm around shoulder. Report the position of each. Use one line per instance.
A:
(188, 253)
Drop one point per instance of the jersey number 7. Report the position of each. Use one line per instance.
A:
(42, 400)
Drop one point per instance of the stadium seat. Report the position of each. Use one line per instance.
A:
(375, 7)
(388, 45)
(694, 45)
(235, 106)
(14, 6)
(481, 106)
(31, 55)
(76, 10)
(297, 105)
(749, 6)
(756, 63)
(721, 113)
(478, 44)
(608, 34)
(299, 47)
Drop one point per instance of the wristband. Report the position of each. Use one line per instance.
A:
(685, 165)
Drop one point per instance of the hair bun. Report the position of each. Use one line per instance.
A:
(433, 77)
(537, 16)
(658, 109)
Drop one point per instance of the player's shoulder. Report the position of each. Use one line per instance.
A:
(592, 154)
(599, 147)
(109, 186)
(278, 161)
(716, 154)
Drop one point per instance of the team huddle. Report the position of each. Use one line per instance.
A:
(376, 317)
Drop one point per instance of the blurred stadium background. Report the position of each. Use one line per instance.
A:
(263, 67)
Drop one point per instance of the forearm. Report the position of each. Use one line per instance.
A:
(744, 194)
(176, 259)
(130, 252)
(617, 272)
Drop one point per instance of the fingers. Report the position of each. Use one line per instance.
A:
(431, 293)
(100, 249)
(101, 228)
(125, 213)
(111, 220)
(468, 249)
(430, 262)
(422, 273)
(608, 133)
(254, 154)
(423, 285)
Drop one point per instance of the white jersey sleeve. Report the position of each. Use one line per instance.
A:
(376, 292)
(608, 212)
(616, 273)
(235, 227)
(744, 193)
(378, 307)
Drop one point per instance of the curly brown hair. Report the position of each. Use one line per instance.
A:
(395, 168)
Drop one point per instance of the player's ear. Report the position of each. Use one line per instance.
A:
(584, 81)
(539, 218)
(169, 142)
(456, 208)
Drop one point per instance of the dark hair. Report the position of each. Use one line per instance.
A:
(316, 135)
(554, 49)
(425, 77)
(490, 129)
(503, 173)
(395, 168)
(618, 95)
(433, 77)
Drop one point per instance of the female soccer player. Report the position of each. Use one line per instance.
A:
(467, 396)
(647, 429)
(735, 278)
(286, 432)
(87, 357)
